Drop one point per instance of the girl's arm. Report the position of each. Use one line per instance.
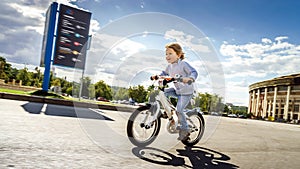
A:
(163, 73)
(191, 71)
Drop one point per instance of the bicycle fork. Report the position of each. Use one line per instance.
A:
(151, 115)
(170, 111)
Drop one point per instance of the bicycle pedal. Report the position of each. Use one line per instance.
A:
(164, 115)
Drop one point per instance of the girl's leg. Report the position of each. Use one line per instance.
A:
(170, 92)
(183, 101)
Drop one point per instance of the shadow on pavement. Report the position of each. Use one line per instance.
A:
(65, 111)
(199, 157)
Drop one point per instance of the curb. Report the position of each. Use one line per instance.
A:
(40, 99)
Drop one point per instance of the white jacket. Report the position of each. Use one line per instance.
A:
(183, 69)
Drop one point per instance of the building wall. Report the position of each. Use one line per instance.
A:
(276, 99)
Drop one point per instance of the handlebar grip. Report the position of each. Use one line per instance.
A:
(181, 80)
(155, 77)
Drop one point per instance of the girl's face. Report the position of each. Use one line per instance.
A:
(171, 55)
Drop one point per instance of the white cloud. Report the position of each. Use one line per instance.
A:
(191, 42)
(260, 59)
(2, 36)
(280, 38)
(204, 58)
(94, 26)
(31, 14)
(252, 62)
(266, 40)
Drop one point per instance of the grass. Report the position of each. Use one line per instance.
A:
(35, 93)
(54, 95)
(14, 91)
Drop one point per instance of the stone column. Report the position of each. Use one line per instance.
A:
(286, 107)
(279, 109)
(265, 104)
(253, 99)
(274, 101)
(257, 102)
(293, 104)
(269, 109)
(250, 103)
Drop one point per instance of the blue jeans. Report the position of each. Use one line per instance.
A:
(183, 101)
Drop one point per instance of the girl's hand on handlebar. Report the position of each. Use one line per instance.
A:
(168, 78)
(187, 80)
(154, 77)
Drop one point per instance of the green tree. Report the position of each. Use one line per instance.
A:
(239, 110)
(203, 101)
(2, 73)
(86, 82)
(25, 76)
(138, 93)
(13, 73)
(120, 93)
(208, 102)
(226, 109)
(69, 91)
(36, 81)
(75, 89)
(103, 90)
(56, 82)
(92, 91)
(216, 103)
(5, 69)
(65, 85)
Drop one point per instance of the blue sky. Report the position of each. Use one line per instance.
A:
(239, 20)
(233, 43)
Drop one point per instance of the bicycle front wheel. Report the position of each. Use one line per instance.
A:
(143, 127)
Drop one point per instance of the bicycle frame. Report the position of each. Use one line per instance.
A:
(159, 102)
(170, 109)
(147, 120)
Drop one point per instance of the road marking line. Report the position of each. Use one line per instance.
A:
(100, 112)
(43, 110)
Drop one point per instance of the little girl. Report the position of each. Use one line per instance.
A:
(182, 91)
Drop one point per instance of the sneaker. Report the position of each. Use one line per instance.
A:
(183, 135)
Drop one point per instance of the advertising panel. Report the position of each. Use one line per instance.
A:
(72, 37)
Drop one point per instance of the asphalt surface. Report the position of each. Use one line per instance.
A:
(39, 135)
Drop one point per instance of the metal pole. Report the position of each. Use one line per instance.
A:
(49, 46)
(82, 75)
(81, 84)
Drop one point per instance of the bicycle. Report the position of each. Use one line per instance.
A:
(144, 124)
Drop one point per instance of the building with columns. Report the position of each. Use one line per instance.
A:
(276, 99)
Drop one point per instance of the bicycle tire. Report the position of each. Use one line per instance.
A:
(132, 122)
(191, 142)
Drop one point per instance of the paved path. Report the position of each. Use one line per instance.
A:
(34, 135)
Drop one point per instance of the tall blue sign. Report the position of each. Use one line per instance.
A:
(72, 34)
(47, 48)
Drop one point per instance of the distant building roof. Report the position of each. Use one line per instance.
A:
(293, 79)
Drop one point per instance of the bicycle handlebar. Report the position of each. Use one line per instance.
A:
(170, 79)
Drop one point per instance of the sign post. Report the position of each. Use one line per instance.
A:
(72, 34)
(47, 48)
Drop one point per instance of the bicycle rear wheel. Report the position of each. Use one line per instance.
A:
(196, 124)
(143, 127)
